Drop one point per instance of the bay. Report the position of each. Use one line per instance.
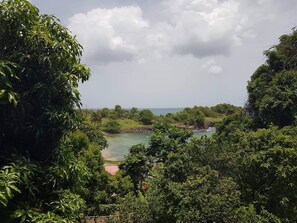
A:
(119, 144)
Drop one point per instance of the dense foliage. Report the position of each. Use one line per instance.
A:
(52, 169)
(39, 74)
(146, 116)
(272, 89)
(112, 127)
(244, 173)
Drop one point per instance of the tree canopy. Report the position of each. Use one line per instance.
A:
(39, 73)
(146, 116)
(52, 170)
(272, 94)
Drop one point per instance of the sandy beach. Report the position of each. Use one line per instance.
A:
(111, 169)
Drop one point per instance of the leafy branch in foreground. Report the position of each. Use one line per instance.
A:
(9, 179)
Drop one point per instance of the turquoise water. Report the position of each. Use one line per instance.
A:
(119, 144)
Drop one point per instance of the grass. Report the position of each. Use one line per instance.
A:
(125, 123)
(213, 120)
(113, 162)
(129, 124)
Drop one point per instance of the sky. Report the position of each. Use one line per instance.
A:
(171, 53)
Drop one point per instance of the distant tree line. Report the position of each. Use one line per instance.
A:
(196, 116)
(52, 169)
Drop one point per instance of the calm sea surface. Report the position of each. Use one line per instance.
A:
(119, 144)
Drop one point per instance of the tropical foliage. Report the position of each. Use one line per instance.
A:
(39, 73)
(52, 169)
(246, 172)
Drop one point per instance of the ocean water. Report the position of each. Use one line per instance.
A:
(119, 144)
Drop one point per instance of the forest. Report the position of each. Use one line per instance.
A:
(52, 169)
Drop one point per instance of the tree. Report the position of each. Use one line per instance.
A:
(39, 73)
(146, 116)
(136, 165)
(49, 177)
(96, 116)
(9, 179)
(226, 109)
(119, 111)
(166, 140)
(133, 113)
(94, 134)
(231, 128)
(272, 96)
(112, 127)
(105, 112)
(182, 187)
(194, 116)
(203, 196)
(267, 172)
(199, 119)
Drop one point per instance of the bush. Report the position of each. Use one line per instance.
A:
(112, 127)
(146, 117)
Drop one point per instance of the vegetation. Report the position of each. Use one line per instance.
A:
(39, 73)
(52, 170)
(134, 119)
(200, 117)
(246, 172)
(146, 117)
(272, 97)
(125, 123)
(112, 127)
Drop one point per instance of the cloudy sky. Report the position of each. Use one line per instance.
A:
(171, 53)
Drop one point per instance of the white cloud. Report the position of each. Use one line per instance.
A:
(200, 28)
(211, 67)
(205, 27)
(195, 27)
(215, 69)
(109, 35)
